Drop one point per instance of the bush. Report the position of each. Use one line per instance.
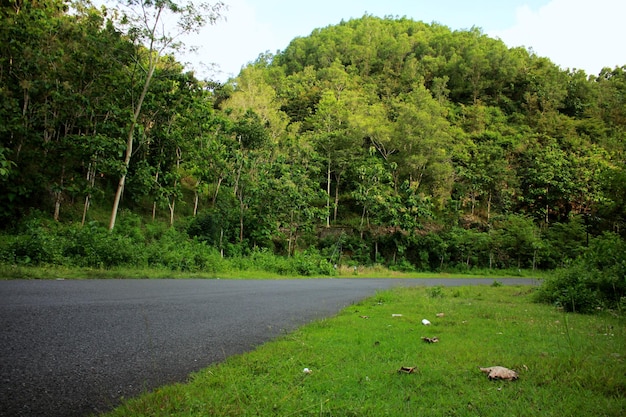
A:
(306, 263)
(311, 262)
(432, 252)
(595, 279)
(94, 246)
(563, 243)
(403, 265)
(568, 289)
(130, 225)
(606, 257)
(515, 242)
(176, 251)
(37, 244)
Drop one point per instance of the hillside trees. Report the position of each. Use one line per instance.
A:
(146, 25)
(415, 143)
(425, 142)
(59, 117)
(333, 138)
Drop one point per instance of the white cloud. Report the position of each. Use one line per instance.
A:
(581, 34)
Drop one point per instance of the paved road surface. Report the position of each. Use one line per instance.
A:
(75, 348)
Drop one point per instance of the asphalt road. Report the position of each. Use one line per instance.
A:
(75, 348)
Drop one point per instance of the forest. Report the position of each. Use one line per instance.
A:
(376, 141)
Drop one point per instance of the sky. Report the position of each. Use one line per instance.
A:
(574, 34)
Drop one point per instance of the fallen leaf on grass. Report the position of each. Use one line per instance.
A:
(430, 339)
(500, 372)
(407, 369)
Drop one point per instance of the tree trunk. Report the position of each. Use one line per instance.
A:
(222, 242)
(362, 220)
(58, 196)
(154, 203)
(328, 194)
(57, 205)
(129, 141)
(376, 250)
(217, 189)
(473, 200)
(91, 180)
(547, 207)
(241, 210)
(172, 204)
(85, 209)
(489, 208)
(336, 205)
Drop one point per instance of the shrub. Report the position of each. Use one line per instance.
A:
(130, 225)
(563, 243)
(569, 289)
(433, 252)
(403, 265)
(176, 251)
(38, 243)
(311, 262)
(306, 263)
(435, 292)
(595, 279)
(515, 241)
(264, 260)
(95, 246)
(7, 255)
(606, 257)
(215, 227)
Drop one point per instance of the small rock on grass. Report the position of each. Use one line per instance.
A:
(500, 372)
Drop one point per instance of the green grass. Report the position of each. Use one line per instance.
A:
(8, 271)
(569, 365)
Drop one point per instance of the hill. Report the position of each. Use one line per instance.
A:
(377, 140)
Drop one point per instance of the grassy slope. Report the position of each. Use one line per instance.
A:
(54, 272)
(569, 365)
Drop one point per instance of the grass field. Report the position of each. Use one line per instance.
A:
(568, 364)
(67, 272)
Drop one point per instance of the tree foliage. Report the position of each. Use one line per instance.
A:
(378, 139)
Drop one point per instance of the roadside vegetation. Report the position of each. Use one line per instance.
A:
(155, 249)
(568, 364)
(592, 275)
(384, 144)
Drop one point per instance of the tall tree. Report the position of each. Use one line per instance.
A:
(147, 23)
(422, 135)
(334, 140)
(254, 93)
(251, 139)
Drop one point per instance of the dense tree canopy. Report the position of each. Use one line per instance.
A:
(394, 139)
